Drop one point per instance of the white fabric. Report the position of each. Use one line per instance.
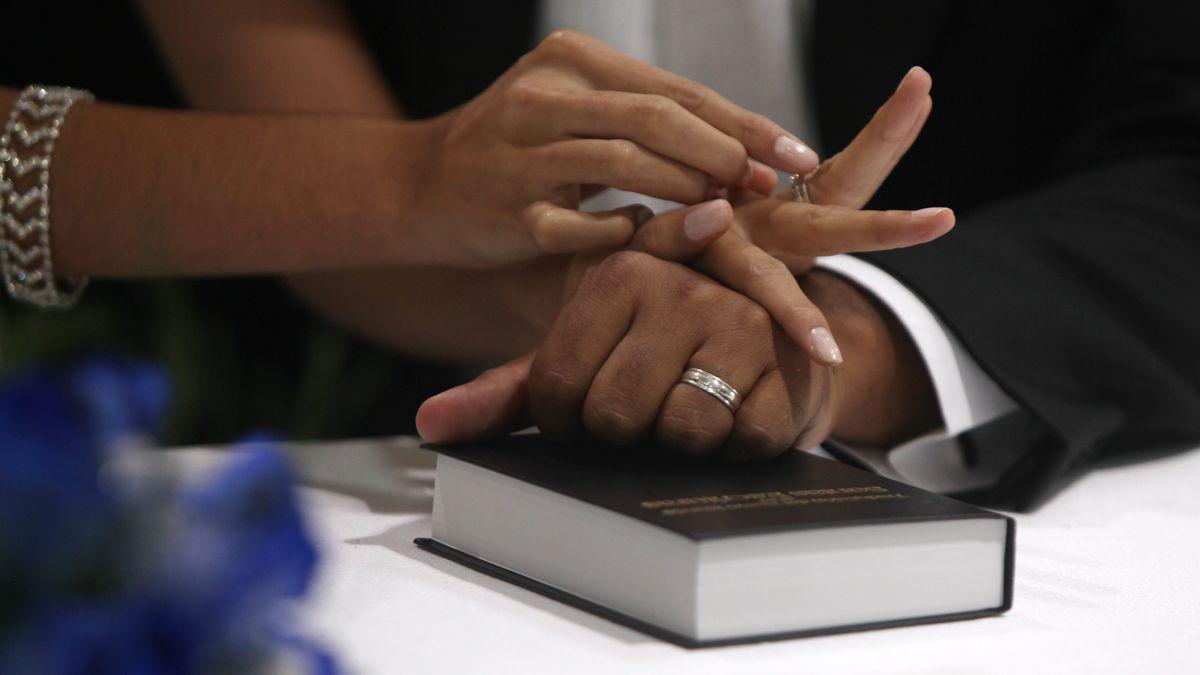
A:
(1105, 583)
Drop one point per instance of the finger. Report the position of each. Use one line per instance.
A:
(820, 418)
(492, 405)
(762, 184)
(681, 234)
(811, 230)
(695, 422)
(767, 423)
(625, 397)
(854, 174)
(607, 68)
(766, 280)
(625, 165)
(763, 180)
(586, 331)
(556, 229)
(658, 124)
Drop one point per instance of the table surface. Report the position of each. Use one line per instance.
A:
(1107, 581)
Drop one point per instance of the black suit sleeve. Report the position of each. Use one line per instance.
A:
(1081, 296)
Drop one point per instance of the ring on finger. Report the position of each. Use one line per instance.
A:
(800, 189)
(713, 386)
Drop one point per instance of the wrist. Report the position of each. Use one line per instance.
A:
(397, 160)
(882, 394)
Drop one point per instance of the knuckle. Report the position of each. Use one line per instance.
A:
(756, 128)
(546, 230)
(879, 229)
(821, 216)
(561, 43)
(525, 92)
(690, 429)
(550, 236)
(625, 264)
(699, 187)
(615, 273)
(553, 231)
(752, 439)
(655, 109)
(690, 95)
(737, 162)
(751, 316)
(622, 155)
(554, 382)
(766, 268)
(608, 419)
(689, 288)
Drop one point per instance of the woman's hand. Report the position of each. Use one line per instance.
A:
(506, 171)
(774, 239)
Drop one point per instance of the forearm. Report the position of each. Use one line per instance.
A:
(139, 192)
(268, 56)
(884, 394)
(461, 316)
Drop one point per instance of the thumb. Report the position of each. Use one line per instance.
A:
(493, 404)
(556, 229)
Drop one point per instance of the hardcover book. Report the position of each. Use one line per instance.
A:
(705, 553)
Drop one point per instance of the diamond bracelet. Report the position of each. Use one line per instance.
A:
(25, 150)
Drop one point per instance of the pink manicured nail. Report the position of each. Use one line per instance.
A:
(706, 220)
(929, 213)
(799, 157)
(825, 346)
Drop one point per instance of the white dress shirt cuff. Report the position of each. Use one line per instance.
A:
(966, 395)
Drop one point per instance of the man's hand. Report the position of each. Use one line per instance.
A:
(610, 369)
(886, 394)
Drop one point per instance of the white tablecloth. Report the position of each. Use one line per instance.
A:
(1107, 581)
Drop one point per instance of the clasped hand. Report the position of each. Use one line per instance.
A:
(722, 297)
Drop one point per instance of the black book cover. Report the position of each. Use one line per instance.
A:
(702, 499)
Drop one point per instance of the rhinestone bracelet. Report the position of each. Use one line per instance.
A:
(25, 149)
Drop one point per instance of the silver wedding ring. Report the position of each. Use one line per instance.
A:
(713, 386)
(800, 189)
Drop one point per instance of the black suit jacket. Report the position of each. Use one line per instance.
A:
(1065, 134)
(1067, 137)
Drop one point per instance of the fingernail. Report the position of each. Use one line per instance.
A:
(825, 346)
(799, 157)
(929, 213)
(706, 220)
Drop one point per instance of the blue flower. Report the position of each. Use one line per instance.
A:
(102, 576)
(242, 548)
